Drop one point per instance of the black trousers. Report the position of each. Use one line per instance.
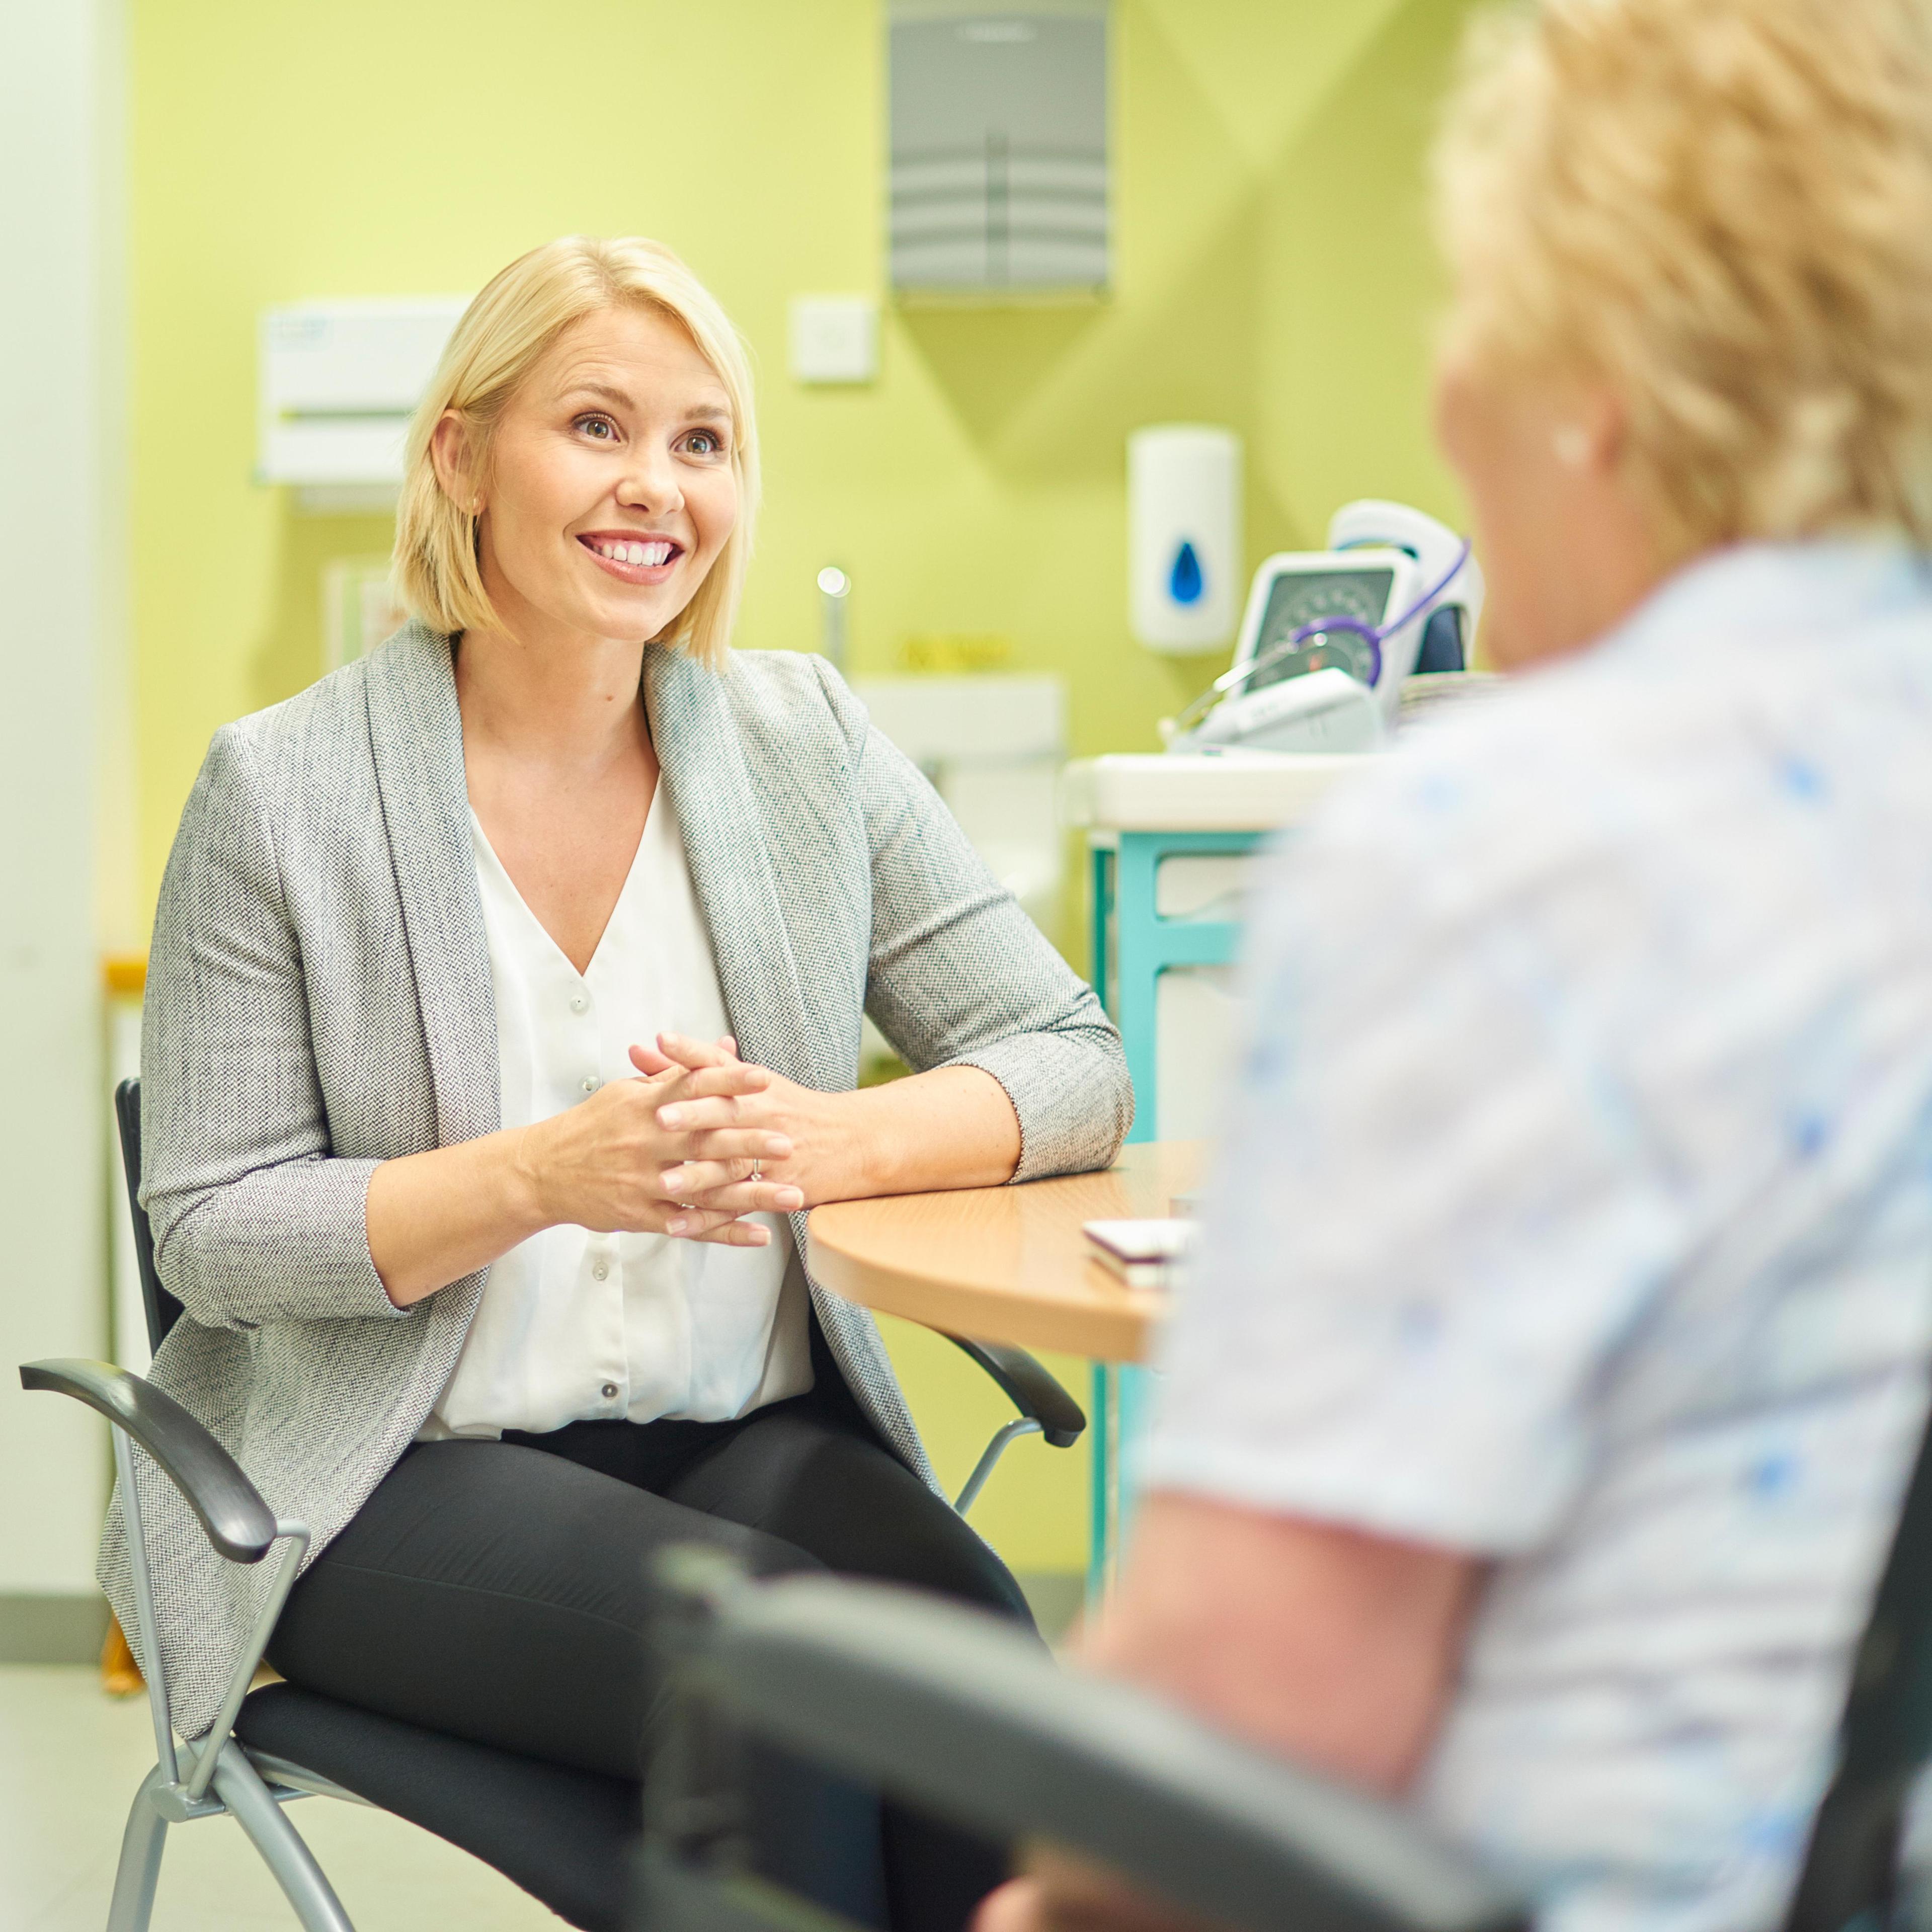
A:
(499, 1591)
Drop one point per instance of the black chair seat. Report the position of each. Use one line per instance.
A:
(564, 1836)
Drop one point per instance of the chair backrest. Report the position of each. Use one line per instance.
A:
(1851, 1871)
(960, 1717)
(163, 1310)
(964, 1716)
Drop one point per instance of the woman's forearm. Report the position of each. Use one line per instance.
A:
(952, 1127)
(435, 1217)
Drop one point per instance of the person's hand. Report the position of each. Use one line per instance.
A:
(1060, 1893)
(723, 1173)
(612, 1164)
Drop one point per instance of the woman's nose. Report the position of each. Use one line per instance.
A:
(651, 483)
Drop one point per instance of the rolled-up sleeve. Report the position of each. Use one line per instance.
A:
(1437, 1212)
(958, 975)
(253, 1220)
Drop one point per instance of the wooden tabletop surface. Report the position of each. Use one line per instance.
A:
(1007, 1264)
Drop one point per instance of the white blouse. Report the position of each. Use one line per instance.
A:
(575, 1326)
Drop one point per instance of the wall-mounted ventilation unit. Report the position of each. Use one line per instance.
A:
(339, 382)
(999, 149)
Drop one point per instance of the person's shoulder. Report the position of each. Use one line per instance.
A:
(1586, 793)
(762, 678)
(791, 701)
(314, 740)
(1696, 717)
(1514, 763)
(334, 705)
(1610, 743)
(1706, 787)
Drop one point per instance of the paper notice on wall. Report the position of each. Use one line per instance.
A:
(359, 609)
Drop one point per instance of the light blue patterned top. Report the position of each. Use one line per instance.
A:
(1576, 1211)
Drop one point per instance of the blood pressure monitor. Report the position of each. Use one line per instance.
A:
(1311, 671)
(1296, 589)
(1329, 636)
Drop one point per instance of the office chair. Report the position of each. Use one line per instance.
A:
(942, 1708)
(563, 1836)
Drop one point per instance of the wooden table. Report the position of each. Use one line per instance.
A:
(1007, 1264)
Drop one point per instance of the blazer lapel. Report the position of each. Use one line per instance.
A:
(703, 764)
(416, 733)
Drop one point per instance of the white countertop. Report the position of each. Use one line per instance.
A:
(1164, 791)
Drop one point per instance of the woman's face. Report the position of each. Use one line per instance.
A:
(1566, 549)
(611, 490)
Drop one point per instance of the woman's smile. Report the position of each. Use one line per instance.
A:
(633, 556)
(619, 447)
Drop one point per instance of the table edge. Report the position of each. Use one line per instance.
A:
(930, 1302)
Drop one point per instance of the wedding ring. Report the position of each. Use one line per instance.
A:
(757, 1169)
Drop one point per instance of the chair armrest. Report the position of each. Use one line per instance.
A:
(1030, 1388)
(240, 1525)
(962, 1715)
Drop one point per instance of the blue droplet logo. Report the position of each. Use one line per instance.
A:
(1183, 582)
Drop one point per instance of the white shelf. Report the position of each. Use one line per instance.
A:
(1175, 792)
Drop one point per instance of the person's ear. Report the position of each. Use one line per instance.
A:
(451, 455)
(1591, 433)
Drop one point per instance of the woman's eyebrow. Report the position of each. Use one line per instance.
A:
(707, 412)
(602, 391)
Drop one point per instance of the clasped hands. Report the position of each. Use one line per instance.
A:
(698, 1141)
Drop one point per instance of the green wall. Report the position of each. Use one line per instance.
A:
(1272, 274)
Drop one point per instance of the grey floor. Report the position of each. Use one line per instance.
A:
(70, 1760)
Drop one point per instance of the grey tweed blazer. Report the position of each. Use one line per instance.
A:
(319, 1000)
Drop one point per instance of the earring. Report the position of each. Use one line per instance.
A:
(1572, 445)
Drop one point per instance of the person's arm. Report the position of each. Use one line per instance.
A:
(1433, 1219)
(1018, 1072)
(959, 976)
(254, 1219)
(953, 1127)
(1333, 1647)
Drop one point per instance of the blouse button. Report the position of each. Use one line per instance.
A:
(591, 1083)
(601, 1270)
(610, 1391)
(578, 1002)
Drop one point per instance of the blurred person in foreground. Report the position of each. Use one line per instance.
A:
(1536, 1422)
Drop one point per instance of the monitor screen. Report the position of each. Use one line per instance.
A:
(1297, 598)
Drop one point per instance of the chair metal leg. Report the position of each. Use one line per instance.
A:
(240, 1789)
(141, 1847)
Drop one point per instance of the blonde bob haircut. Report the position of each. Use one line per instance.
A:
(1721, 209)
(502, 335)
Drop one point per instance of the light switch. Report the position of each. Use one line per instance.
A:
(835, 339)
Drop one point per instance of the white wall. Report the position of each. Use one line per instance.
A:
(61, 541)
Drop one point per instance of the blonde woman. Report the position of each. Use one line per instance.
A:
(503, 1019)
(1538, 1421)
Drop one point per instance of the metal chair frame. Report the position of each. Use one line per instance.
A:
(221, 1775)
(949, 1710)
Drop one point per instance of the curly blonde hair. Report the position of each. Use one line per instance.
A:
(502, 335)
(1723, 209)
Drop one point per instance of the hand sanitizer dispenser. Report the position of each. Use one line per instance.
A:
(1184, 535)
